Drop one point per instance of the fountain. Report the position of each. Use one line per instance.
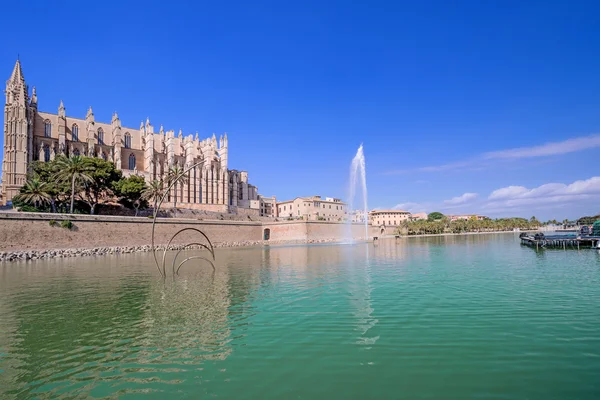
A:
(358, 163)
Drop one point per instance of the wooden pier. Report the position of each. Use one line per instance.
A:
(541, 241)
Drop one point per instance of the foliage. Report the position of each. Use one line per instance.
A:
(34, 193)
(423, 227)
(75, 170)
(588, 220)
(52, 222)
(176, 177)
(57, 191)
(435, 216)
(131, 190)
(76, 184)
(65, 223)
(103, 176)
(154, 192)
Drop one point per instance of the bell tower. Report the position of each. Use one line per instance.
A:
(18, 132)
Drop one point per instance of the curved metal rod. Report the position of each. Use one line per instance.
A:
(195, 258)
(212, 251)
(185, 247)
(159, 204)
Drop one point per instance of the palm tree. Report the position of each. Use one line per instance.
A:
(75, 170)
(34, 192)
(154, 192)
(176, 176)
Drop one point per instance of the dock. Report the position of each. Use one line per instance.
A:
(539, 240)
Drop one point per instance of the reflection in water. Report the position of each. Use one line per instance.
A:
(444, 317)
(364, 304)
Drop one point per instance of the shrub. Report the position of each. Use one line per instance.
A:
(65, 223)
(52, 222)
(151, 216)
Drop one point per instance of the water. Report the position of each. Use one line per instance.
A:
(358, 165)
(464, 317)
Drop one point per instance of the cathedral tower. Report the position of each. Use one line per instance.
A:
(18, 133)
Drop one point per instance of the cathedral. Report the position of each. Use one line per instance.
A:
(31, 135)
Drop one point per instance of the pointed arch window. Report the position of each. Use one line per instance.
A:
(132, 161)
(75, 133)
(47, 153)
(76, 152)
(47, 128)
(100, 136)
(127, 140)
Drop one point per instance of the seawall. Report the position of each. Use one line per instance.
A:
(33, 231)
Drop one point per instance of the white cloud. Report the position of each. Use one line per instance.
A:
(411, 207)
(465, 198)
(550, 200)
(548, 149)
(548, 191)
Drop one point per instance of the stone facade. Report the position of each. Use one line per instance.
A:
(268, 206)
(31, 135)
(313, 208)
(388, 217)
(418, 216)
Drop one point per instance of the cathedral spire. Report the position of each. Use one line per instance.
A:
(61, 109)
(17, 74)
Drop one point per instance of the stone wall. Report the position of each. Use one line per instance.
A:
(33, 231)
(286, 230)
(315, 230)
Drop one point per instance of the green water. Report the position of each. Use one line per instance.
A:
(476, 317)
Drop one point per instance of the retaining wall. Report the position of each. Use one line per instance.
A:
(32, 231)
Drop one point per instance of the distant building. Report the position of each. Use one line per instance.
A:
(418, 216)
(268, 206)
(313, 208)
(388, 217)
(358, 216)
(466, 217)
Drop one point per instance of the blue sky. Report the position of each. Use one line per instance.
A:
(486, 107)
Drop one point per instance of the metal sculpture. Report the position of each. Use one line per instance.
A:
(162, 266)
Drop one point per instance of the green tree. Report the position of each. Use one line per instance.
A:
(75, 170)
(34, 192)
(103, 177)
(45, 171)
(176, 176)
(588, 220)
(154, 192)
(434, 216)
(533, 220)
(132, 190)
